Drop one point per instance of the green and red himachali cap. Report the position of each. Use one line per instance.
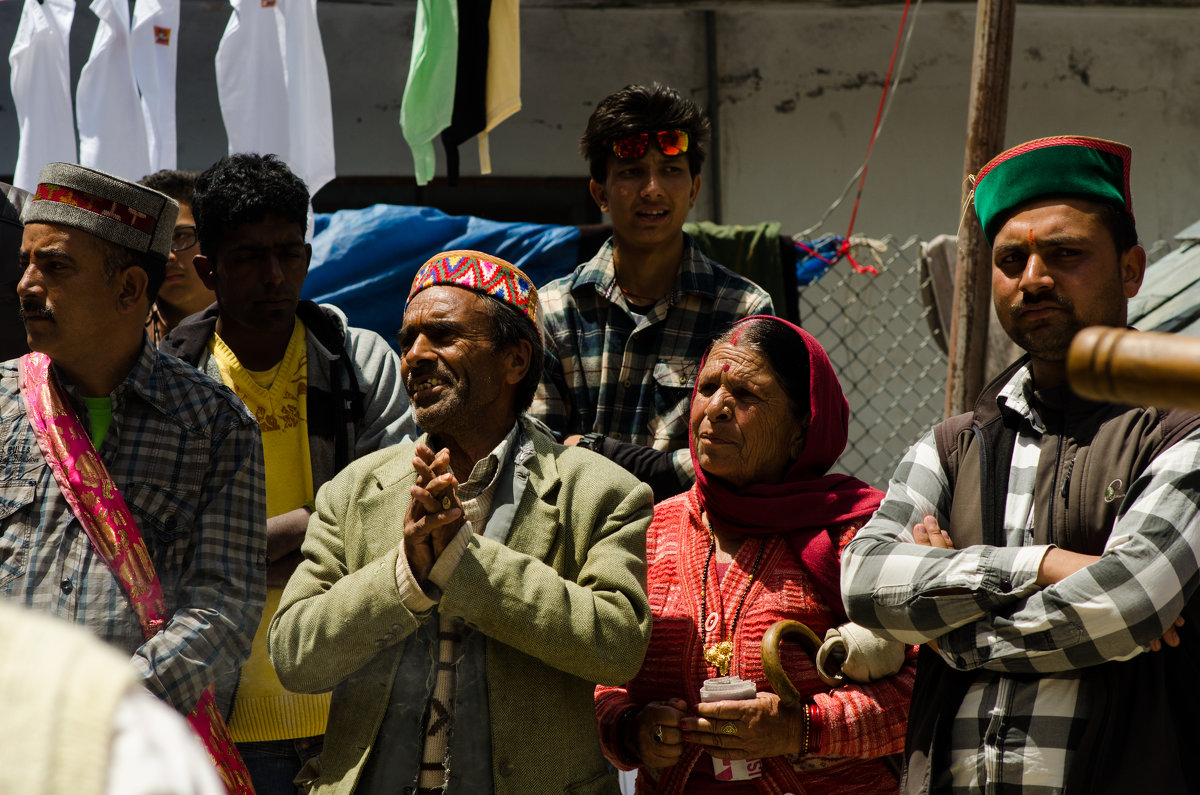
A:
(107, 206)
(1065, 165)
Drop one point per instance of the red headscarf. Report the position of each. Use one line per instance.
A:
(808, 500)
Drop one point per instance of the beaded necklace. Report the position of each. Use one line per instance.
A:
(720, 654)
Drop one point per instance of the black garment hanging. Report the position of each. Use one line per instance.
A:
(470, 82)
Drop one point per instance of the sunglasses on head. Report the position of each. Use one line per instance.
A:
(633, 146)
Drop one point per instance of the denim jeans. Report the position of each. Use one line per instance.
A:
(274, 763)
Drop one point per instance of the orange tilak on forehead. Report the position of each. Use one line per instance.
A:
(1031, 237)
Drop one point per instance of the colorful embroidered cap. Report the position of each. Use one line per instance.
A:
(1066, 165)
(482, 273)
(108, 207)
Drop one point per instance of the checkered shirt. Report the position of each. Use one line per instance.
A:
(630, 377)
(187, 459)
(1013, 732)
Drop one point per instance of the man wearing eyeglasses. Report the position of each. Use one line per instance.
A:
(625, 330)
(182, 293)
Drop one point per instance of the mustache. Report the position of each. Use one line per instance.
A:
(34, 309)
(1040, 301)
(420, 373)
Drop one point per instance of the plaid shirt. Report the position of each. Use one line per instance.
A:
(982, 603)
(187, 459)
(626, 376)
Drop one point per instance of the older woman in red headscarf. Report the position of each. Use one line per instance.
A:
(756, 540)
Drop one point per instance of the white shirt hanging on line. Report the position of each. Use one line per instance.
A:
(155, 41)
(251, 86)
(310, 110)
(108, 109)
(41, 89)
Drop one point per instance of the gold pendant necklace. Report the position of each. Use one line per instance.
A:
(720, 654)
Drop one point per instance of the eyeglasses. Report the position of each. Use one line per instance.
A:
(631, 147)
(183, 239)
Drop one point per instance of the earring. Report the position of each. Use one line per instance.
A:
(603, 208)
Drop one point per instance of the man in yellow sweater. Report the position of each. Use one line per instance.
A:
(324, 394)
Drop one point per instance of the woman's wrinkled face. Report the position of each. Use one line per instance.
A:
(742, 423)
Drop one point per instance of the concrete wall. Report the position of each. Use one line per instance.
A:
(799, 88)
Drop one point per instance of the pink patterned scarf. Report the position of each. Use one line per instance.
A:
(96, 502)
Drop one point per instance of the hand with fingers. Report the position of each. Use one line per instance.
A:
(751, 729)
(927, 533)
(435, 513)
(656, 733)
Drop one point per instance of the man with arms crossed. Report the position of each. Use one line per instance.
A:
(1075, 523)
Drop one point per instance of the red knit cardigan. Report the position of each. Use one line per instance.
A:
(857, 723)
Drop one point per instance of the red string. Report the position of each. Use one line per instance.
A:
(814, 253)
(887, 84)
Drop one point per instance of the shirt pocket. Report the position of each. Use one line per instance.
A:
(674, 378)
(165, 516)
(16, 528)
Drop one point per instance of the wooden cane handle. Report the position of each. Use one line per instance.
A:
(1146, 368)
(773, 668)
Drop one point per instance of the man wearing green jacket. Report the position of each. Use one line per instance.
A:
(463, 594)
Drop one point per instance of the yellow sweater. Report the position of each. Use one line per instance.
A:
(264, 709)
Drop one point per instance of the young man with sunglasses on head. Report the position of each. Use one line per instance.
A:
(182, 293)
(625, 330)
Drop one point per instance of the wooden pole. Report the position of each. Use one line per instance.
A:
(985, 139)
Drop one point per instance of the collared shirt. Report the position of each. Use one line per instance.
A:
(186, 457)
(983, 606)
(630, 376)
(476, 494)
(454, 684)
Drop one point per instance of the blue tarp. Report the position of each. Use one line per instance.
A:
(816, 257)
(364, 261)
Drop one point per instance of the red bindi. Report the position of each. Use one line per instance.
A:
(725, 368)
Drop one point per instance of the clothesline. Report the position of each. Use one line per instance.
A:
(820, 257)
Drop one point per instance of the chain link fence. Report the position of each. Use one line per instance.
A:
(877, 334)
(876, 330)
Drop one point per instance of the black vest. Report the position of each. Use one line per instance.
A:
(1145, 711)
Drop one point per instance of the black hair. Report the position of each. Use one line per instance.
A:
(245, 189)
(117, 258)
(784, 351)
(179, 185)
(636, 109)
(1119, 223)
(510, 327)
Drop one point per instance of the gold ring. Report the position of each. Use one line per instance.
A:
(730, 728)
(446, 503)
(658, 733)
